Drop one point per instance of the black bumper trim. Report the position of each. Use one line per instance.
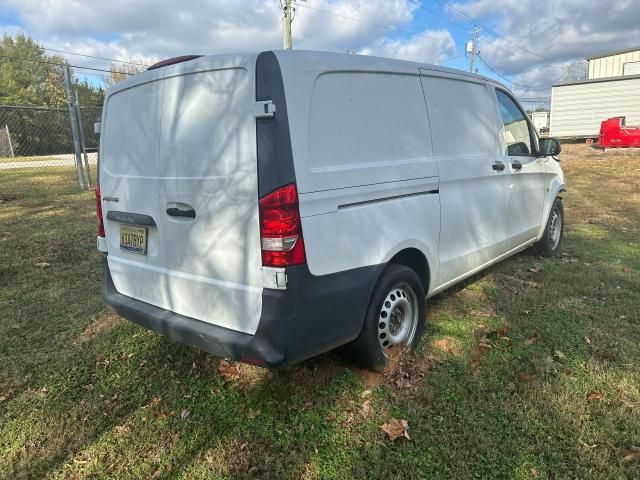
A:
(313, 315)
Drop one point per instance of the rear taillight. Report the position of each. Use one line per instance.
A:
(99, 213)
(280, 229)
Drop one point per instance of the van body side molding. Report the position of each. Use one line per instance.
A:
(384, 199)
(131, 218)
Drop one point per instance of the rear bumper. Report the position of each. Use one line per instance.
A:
(313, 315)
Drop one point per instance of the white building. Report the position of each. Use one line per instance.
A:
(612, 90)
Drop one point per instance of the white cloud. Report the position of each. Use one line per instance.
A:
(164, 28)
(533, 39)
(430, 46)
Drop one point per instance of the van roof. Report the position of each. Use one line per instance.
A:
(334, 60)
(296, 60)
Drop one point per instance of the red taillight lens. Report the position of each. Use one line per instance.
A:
(280, 230)
(99, 213)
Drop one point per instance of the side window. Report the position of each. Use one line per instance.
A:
(516, 127)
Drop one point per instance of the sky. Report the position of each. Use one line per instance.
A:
(526, 44)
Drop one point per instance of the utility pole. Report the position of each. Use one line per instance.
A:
(287, 6)
(74, 126)
(471, 48)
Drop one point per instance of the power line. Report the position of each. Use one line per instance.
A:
(459, 13)
(93, 56)
(451, 58)
(355, 19)
(528, 87)
(47, 62)
(442, 17)
(489, 29)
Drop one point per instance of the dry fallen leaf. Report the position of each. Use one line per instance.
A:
(122, 429)
(366, 408)
(253, 413)
(595, 395)
(484, 343)
(160, 414)
(559, 355)
(631, 454)
(534, 339)
(534, 472)
(331, 416)
(366, 393)
(228, 370)
(535, 269)
(395, 429)
(184, 413)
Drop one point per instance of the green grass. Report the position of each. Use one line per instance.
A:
(34, 182)
(86, 394)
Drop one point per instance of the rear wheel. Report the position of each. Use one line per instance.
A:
(549, 244)
(395, 317)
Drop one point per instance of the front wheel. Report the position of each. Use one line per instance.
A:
(549, 244)
(395, 317)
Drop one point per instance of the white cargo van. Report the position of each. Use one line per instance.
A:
(269, 207)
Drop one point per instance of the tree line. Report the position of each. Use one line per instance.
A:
(29, 76)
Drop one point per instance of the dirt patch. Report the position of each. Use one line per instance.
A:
(101, 324)
(406, 370)
(239, 374)
(447, 345)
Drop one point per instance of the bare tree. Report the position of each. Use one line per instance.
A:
(119, 70)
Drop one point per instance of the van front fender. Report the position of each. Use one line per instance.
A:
(555, 189)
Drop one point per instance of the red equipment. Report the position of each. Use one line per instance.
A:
(614, 134)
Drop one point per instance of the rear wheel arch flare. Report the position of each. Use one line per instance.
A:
(415, 260)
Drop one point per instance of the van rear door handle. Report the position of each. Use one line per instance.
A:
(179, 212)
(516, 165)
(498, 166)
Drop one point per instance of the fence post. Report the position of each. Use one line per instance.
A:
(6, 127)
(74, 127)
(82, 141)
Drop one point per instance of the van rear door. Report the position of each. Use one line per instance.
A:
(178, 146)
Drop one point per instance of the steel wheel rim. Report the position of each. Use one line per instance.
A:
(398, 317)
(555, 228)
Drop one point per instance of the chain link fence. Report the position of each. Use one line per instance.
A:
(37, 154)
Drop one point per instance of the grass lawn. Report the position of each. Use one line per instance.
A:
(528, 370)
(34, 182)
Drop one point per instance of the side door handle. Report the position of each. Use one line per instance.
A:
(516, 165)
(498, 166)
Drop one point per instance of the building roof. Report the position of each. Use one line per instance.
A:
(599, 80)
(616, 52)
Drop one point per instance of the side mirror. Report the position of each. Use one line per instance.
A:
(549, 147)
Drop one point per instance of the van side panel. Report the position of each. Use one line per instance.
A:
(367, 180)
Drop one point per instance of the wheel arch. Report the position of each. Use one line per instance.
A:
(557, 189)
(416, 260)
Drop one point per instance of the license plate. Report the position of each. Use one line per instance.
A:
(133, 239)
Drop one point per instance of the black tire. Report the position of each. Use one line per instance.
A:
(549, 244)
(367, 350)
